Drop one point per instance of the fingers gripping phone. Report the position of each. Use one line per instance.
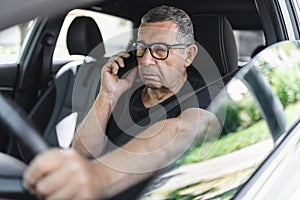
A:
(129, 63)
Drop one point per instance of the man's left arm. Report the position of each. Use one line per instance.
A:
(56, 174)
(155, 148)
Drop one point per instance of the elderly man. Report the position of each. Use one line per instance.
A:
(124, 154)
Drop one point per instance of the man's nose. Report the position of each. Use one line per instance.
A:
(147, 58)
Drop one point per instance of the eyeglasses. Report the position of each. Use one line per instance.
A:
(159, 51)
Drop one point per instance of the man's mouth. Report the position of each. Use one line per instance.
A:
(148, 74)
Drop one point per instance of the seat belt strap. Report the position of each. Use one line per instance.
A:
(46, 71)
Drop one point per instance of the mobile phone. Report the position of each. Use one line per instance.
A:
(129, 63)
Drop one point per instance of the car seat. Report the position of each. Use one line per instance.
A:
(56, 114)
(83, 38)
(214, 36)
(217, 58)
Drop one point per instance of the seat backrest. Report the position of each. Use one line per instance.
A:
(83, 37)
(53, 113)
(217, 56)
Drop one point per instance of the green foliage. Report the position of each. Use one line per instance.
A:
(232, 119)
(252, 111)
(239, 114)
(283, 72)
(233, 141)
(9, 50)
(226, 144)
(178, 194)
(286, 83)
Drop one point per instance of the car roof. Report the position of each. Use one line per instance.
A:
(242, 14)
(30, 9)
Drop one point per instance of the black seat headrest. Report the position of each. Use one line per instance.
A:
(83, 36)
(214, 33)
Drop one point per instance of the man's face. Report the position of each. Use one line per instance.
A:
(161, 73)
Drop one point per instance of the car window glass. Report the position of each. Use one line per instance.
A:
(217, 166)
(251, 107)
(249, 43)
(281, 66)
(11, 41)
(110, 26)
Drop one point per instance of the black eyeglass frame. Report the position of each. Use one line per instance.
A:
(148, 46)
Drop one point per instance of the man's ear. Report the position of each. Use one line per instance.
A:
(191, 53)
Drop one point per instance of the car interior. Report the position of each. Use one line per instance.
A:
(56, 94)
(217, 60)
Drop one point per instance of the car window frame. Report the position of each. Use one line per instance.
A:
(278, 158)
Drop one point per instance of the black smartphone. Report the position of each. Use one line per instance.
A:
(129, 63)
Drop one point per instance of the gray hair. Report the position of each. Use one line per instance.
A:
(178, 16)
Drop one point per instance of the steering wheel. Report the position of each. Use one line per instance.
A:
(16, 123)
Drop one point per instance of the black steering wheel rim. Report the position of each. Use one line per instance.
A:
(15, 122)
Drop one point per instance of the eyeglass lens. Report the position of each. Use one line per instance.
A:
(158, 51)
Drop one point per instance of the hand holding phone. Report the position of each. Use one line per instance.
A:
(129, 63)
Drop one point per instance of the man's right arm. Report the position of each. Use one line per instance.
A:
(90, 138)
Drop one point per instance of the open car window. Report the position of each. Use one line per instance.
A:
(249, 43)
(257, 108)
(12, 40)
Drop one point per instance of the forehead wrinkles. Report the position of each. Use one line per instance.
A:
(164, 34)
